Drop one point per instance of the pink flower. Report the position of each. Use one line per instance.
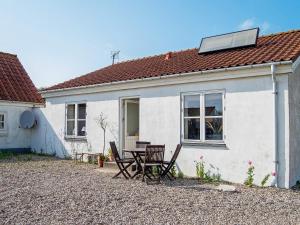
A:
(201, 157)
(273, 174)
(250, 162)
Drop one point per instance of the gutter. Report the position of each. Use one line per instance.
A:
(25, 104)
(275, 116)
(171, 76)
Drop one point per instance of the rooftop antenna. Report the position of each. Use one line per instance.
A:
(114, 56)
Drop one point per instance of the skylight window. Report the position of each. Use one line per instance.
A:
(228, 41)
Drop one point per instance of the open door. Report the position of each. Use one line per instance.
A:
(131, 123)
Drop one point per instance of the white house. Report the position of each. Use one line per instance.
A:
(229, 106)
(17, 94)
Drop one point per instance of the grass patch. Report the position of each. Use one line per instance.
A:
(6, 155)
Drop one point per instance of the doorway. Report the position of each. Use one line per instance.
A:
(130, 114)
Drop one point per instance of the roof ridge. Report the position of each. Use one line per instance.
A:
(6, 53)
(157, 55)
(280, 33)
(125, 61)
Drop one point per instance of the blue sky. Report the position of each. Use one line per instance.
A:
(57, 40)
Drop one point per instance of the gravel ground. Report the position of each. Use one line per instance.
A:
(44, 190)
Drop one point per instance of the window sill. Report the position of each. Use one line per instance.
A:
(221, 145)
(83, 139)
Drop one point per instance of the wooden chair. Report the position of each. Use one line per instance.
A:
(123, 164)
(142, 144)
(154, 156)
(167, 165)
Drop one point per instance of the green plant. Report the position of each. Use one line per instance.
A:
(250, 175)
(200, 169)
(216, 177)
(264, 181)
(173, 171)
(102, 157)
(180, 174)
(155, 170)
(6, 155)
(203, 175)
(90, 159)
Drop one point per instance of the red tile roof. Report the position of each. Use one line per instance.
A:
(15, 84)
(278, 47)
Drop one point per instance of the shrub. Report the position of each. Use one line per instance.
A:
(250, 175)
(173, 171)
(180, 174)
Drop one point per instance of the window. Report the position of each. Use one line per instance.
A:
(2, 121)
(76, 120)
(202, 117)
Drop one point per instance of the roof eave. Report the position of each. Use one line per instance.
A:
(170, 76)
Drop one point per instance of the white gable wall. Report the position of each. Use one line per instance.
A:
(14, 137)
(248, 125)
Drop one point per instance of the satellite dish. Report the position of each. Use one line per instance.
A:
(27, 119)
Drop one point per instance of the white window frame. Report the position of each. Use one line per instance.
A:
(202, 116)
(76, 119)
(4, 129)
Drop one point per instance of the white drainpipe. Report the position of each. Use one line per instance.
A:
(275, 93)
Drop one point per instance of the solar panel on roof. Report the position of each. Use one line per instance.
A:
(228, 41)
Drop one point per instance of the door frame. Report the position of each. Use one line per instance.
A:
(122, 114)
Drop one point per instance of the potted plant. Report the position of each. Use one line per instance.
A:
(101, 160)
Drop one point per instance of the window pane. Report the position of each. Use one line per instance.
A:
(192, 129)
(1, 117)
(213, 129)
(70, 127)
(71, 111)
(81, 111)
(81, 128)
(192, 105)
(213, 105)
(1, 125)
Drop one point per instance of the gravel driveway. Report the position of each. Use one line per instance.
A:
(43, 190)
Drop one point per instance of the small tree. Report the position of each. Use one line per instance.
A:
(101, 120)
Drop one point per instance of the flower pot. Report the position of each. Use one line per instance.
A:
(100, 162)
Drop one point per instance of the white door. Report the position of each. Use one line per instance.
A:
(131, 122)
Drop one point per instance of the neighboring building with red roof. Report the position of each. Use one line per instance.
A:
(229, 106)
(17, 94)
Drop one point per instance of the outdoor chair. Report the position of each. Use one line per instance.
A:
(142, 144)
(154, 156)
(167, 165)
(123, 164)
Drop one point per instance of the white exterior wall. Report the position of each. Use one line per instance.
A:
(248, 125)
(14, 137)
(294, 109)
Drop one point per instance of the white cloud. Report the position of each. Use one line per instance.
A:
(264, 26)
(247, 24)
(252, 22)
